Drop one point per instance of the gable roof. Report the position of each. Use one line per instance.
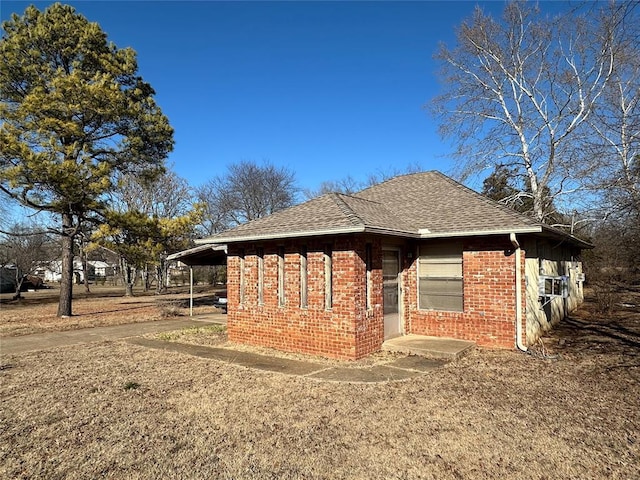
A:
(418, 205)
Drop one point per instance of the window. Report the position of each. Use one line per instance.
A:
(281, 283)
(553, 286)
(260, 276)
(303, 277)
(440, 283)
(328, 284)
(242, 282)
(368, 260)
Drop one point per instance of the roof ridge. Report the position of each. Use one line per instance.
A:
(355, 195)
(396, 177)
(353, 218)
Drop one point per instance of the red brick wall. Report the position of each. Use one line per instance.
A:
(489, 297)
(346, 331)
(349, 330)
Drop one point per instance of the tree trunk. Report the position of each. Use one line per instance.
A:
(66, 281)
(146, 278)
(128, 276)
(19, 280)
(161, 275)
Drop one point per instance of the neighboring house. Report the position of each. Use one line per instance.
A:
(417, 254)
(97, 269)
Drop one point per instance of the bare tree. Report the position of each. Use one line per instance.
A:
(617, 124)
(25, 249)
(519, 93)
(154, 218)
(247, 191)
(349, 185)
(167, 196)
(5, 210)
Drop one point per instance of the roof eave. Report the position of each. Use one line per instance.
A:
(573, 239)
(281, 235)
(199, 249)
(424, 233)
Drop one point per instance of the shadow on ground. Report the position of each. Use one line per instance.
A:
(613, 338)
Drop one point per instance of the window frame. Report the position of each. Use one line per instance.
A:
(328, 274)
(281, 279)
(441, 256)
(242, 280)
(260, 255)
(304, 280)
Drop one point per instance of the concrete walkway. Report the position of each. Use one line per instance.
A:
(402, 368)
(42, 341)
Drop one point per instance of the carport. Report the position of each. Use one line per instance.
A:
(202, 255)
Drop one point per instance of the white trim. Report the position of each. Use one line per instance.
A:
(425, 233)
(312, 233)
(202, 248)
(518, 271)
(190, 291)
(401, 327)
(421, 233)
(274, 236)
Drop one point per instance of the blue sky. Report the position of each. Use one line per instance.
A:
(326, 89)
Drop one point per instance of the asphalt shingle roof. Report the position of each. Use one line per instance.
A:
(407, 205)
(435, 202)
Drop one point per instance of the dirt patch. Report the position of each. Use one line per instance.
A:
(115, 410)
(104, 306)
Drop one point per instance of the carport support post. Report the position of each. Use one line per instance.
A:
(190, 291)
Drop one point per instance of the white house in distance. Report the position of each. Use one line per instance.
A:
(52, 272)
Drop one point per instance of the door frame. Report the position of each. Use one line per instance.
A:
(400, 325)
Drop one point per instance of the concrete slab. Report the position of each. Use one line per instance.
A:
(394, 371)
(246, 359)
(419, 363)
(219, 318)
(449, 348)
(380, 373)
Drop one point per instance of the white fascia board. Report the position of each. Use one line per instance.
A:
(283, 235)
(426, 233)
(201, 248)
(394, 233)
(205, 241)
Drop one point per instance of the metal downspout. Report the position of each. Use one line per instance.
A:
(190, 291)
(520, 344)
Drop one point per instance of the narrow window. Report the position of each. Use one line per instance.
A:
(281, 283)
(328, 284)
(260, 276)
(242, 282)
(369, 285)
(440, 283)
(303, 277)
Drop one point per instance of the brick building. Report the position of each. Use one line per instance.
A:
(339, 274)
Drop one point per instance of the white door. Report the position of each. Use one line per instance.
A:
(391, 289)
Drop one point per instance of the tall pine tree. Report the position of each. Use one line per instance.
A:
(74, 113)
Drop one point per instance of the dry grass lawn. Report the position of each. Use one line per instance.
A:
(36, 312)
(115, 410)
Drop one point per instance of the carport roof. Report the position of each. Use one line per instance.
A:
(209, 254)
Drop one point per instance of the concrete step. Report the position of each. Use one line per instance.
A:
(437, 347)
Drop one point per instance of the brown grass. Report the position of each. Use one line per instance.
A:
(36, 313)
(572, 413)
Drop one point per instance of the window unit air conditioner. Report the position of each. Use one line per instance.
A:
(553, 286)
